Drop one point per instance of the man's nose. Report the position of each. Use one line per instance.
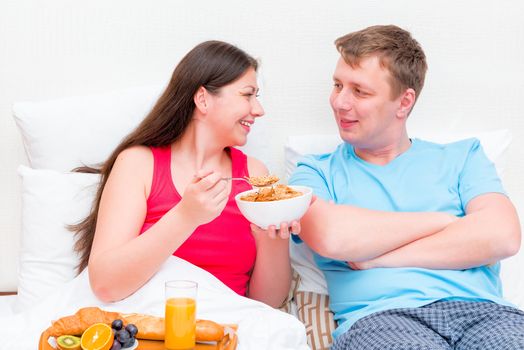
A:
(343, 100)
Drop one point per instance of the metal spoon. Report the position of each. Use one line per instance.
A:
(255, 181)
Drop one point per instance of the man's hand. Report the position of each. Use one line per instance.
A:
(363, 265)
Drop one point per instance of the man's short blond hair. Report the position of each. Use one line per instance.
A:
(397, 51)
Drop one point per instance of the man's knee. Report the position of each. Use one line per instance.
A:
(391, 339)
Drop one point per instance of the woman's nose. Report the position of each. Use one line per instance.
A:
(257, 110)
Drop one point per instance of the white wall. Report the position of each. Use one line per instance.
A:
(58, 48)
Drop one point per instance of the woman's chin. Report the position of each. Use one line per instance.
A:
(239, 142)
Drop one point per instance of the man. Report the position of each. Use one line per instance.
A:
(408, 233)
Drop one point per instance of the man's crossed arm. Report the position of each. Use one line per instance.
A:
(489, 231)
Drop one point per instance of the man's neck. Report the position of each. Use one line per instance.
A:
(383, 155)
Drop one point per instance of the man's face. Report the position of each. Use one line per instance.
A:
(365, 113)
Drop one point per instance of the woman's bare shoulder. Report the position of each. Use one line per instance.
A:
(256, 167)
(135, 154)
(135, 162)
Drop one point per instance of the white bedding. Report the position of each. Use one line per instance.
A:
(6, 305)
(260, 326)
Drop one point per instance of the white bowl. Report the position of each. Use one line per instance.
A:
(264, 214)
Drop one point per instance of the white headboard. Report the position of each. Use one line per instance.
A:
(61, 48)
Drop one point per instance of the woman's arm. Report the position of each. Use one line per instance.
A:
(121, 259)
(271, 277)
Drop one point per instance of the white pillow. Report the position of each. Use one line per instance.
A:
(50, 201)
(495, 144)
(66, 133)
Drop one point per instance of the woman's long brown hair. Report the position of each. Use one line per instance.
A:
(211, 64)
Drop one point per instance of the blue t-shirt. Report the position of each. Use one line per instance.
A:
(427, 177)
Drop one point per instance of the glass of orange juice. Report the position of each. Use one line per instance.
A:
(180, 316)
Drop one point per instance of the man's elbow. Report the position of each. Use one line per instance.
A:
(509, 244)
(330, 246)
(512, 242)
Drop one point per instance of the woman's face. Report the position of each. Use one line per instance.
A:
(233, 110)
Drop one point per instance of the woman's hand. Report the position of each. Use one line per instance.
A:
(284, 231)
(204, 198)
(272, 232)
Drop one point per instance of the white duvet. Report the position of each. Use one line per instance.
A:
(260, 326)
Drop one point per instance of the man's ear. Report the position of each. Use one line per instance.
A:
(200, 99)
(407, 100)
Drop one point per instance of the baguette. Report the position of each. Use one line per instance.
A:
(151, 327)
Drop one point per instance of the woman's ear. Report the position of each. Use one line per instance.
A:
(407, 100)
(200, 99)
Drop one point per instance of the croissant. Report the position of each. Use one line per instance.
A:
(149, 327)
(76, 324)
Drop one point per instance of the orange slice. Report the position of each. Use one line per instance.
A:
(97, 337)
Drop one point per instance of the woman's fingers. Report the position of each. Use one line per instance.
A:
(295, 228)
(284, 230)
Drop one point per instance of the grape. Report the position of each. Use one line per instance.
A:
(123, 336)
(117, 324)
(129, 343)
(131, 328)
(116, 345)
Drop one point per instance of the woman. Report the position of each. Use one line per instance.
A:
(162, 191)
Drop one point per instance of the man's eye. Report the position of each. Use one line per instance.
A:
(360, 92)
(337, 86)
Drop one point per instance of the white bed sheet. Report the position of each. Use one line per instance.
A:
(6, 305)
(260, 326)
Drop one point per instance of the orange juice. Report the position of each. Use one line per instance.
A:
(180, 323)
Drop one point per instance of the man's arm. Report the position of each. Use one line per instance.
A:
(349, 233)
(489, 232)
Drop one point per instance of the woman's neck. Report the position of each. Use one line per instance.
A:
(198, 149)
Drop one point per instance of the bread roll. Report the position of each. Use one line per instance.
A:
(151, 327)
